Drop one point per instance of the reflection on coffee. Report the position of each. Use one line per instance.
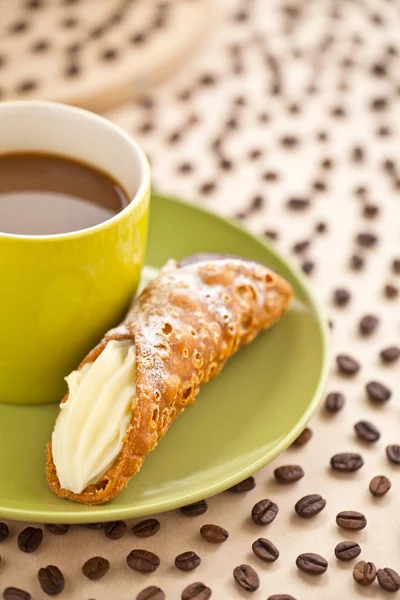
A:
(41, 194)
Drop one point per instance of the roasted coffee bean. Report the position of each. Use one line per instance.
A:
(30, 539)
(366, 431)
(378, 392)
(341, 296)
(368, 324)
(187, 561)
(379, 485)
(347, 365)
(96, 567)
(57, 529)
(296, 203)
(196, 591)
(4, 532)
(351, 520)
(389, 580)
(308, 267)
(12, 593)
(312, 564)
(356, 262)
(334, 402)
(303, 438)
(393, 453)
(368, 240)
(143, 561)
(364, 573)
(214, 534)
(151, 593)
(264, 512)
(195, 509)
(390, 291)
(288, 473)
(146, 528)
(247, 578)
(114, 530)
(390, 354)
(347, 462)
(347, 550)
(244, 486)
(265, 550)
(93, 525)
(310, 505)
(51, 580)
(281, 597)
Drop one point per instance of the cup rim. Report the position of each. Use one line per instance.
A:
(95, 118)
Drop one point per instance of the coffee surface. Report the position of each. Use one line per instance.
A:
(42, 194)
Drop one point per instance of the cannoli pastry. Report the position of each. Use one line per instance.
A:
(127, 391)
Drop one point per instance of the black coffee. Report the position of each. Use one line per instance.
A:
(41, 194)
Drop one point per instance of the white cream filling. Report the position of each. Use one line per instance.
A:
(92, 424)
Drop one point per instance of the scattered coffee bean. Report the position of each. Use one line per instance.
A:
(93, 525)
(312, 564)
(356, 262)
(151, 593)
(379, 486)
(265, 550)
(57, 529)
(214, 534)
(303, 438)
(281, 597)
(244, 486)
(143, 561)
(347, 550)
(95, 568)
(390, 354)
(146, 528)
(378, 392)
(351, 519)
(195, 509)
(114, 530)
(368, 324)
(247, 578)
(334, 402)
(301, 247)
(308, 267)
(396, 266)
(347, 365)
(367, 240)
(347, 462)
(366, 431)
(388, 579)
(390, 291)
(296, 203)
(51, 580)
(12, 593)
(393, 453)
(288, 473)
(364, 573)
(187, 561)
(264, 512)
(30, 539)
(321, 227)
(341, 296)
(309, 506)
(196, 591)
(4, 532)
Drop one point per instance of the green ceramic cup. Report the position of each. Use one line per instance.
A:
(60, 293)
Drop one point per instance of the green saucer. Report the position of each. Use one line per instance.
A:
(242, 420)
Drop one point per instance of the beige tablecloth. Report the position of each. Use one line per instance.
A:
(306, 98)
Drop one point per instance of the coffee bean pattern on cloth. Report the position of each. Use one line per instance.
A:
(287, 120)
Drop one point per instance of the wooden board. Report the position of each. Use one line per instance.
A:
(95, 53)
